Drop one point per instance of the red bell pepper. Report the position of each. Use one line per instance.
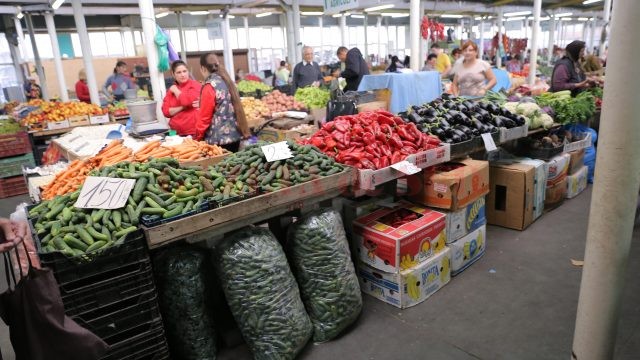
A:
(368, 138)
(342, 125)
(404, 133)
(330, 143)
(385, 150)
(387, 129)
(409, 143)
(377, 163)
(385, 120)
(384, 112)
(385, 161)
(408, 150)
(367, 164)
(397, 157)
(395, 141)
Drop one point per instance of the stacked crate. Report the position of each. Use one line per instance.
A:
(115, 297)
(15, 152)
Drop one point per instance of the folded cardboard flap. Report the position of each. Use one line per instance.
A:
(510, 201)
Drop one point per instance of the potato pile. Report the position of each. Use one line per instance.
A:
(277, 102)
(255, 110)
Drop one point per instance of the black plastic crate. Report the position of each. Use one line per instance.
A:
(78, 299)
(220, 203)
(155, 220)
(126, 314)
(476, 144)
(146, 341)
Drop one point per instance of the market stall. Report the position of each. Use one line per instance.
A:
(406, 88)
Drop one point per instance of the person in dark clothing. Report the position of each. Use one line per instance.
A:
(567, 74)
(307, 72)
(395, 65)
(355, 67)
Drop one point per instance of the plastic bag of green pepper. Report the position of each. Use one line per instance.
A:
(319, 255)
(262, 294)
(183, 277)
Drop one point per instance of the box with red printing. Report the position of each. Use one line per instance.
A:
(399, 238)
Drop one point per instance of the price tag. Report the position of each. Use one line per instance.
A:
(406, 167)
(104, 193)
(489, 145)
(276, 151)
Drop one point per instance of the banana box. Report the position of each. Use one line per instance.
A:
(353, 209)
(577, 182)
(467, 250)
(463, 221)
(399, 238)
(557, 169)
(408, 287)
(539, 184)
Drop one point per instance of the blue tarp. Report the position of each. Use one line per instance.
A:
(407, 89)
(502, 76)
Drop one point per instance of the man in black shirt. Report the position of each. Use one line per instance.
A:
(306, 73)
(355, 67)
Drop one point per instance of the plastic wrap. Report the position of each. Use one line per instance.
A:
(318, 251)
(183, 276)
(262, 294)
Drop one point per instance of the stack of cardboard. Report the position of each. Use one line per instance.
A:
(558, 168)
(577, 178)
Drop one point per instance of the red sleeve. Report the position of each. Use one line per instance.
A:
(189, 94)
(207, 106)
(166, 104)
(82, 91)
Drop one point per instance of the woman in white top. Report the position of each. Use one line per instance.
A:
(473, 77)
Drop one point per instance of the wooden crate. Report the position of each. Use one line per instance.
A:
(78, 120)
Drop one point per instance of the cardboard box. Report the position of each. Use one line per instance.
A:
(576, 162)
(79, 120)
(468, 250)
(450, 189)
(558, 167)
(271, 134)
(577, 182)
(539, 185)
(57, 125)
(409, 287)
(99, 119)
(555, 194)
(392, 249)
(510, 201)
(464, 221)
(353, 209)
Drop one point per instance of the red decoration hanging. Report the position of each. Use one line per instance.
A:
(432, 30)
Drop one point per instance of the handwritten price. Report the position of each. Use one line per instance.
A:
(104, 193)
(276, 151)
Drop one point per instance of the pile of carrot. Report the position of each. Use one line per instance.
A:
(188, 150)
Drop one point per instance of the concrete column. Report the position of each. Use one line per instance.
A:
(156, 77)
(498, 55)
(552, 35)
(379, 29)
(15, 57)
(481, 47)
(36, 57)
(245, 22)
(343, 30)
(226, 47)
(605, 21)
(533, 60)
(291, 41)
(321, 25)
(20, 34)
(87, 56)
(183, 43)
(133, 39)
(295, 5)
(414, 25)
(423, 42)
(57, 59)
(525, 24)
(592, 43)
(614, 195)
(366, 37)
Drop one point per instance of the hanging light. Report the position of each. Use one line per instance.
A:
(563, 15)
(587, 2)
(162, 14)
(379, 7)
(56, 4)
(312, 13)
(201, 12)
(452, 16)
(517, 13)
(263, 14)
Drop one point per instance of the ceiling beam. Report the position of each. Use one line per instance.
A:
(502, 2)
(564, 4)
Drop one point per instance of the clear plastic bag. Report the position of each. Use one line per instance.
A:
(319, 255)
(183, 277)
(262, 294)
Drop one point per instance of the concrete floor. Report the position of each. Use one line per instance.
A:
(517, 302)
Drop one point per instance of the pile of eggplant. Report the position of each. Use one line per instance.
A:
(455, 119)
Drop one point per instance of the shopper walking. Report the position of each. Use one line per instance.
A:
(82, 89)
(473, 77)
(282, 74)
(118, 82)
(307, 72)
(32, 90)
(443, 63)
(355, 67)
(567, 73)
(395, 65)
(180, 103)
(221, 118)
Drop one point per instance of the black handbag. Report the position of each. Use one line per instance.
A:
(38, 326)
(341, 104)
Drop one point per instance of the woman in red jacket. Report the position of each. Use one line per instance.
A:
(179, 102)
(82, 90)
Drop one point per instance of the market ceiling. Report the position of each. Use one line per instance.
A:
(252, 7)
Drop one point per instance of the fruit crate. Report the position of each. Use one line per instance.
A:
(147, 341)
(14, 144)
(12, 166)
(13, 186)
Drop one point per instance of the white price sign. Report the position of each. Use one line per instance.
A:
(406, 167)
(104, 193)
(489, 144)
(276, 151)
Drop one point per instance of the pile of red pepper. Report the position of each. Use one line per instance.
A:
(371, 140)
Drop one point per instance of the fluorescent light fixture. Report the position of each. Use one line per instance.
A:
(340, 15)
(563, 15)
(312, 13)
(452, 16)
(583, 19)
(379, 7)
(356, 16)
(56, 4)
(478, 18)
(517, 13)
(162, 14)
(202, 12)
(395, 15)
(541, 19)
(263, 14)
(566, 19)
(587, 2)
(230, 17)
(515, 18)
(20, 15)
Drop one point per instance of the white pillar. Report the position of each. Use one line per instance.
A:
(226, 47)
(481, 47)
(291, 38)
(20, 34)
(423, 42)
(552, 35)
(343, 30)
(295, 5)
(321, 25)
(51, 28)
(183, 43)
(605, 20)
(525, 23)
(15, 56)
(593, 34)
(87, 56)
(379, 28)
(156, 77)
(613, 199)
(36, 58)
(366, 38)
(414, 25)
(245, 22)
(133, 39)
(498, 56)
(533, 60)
